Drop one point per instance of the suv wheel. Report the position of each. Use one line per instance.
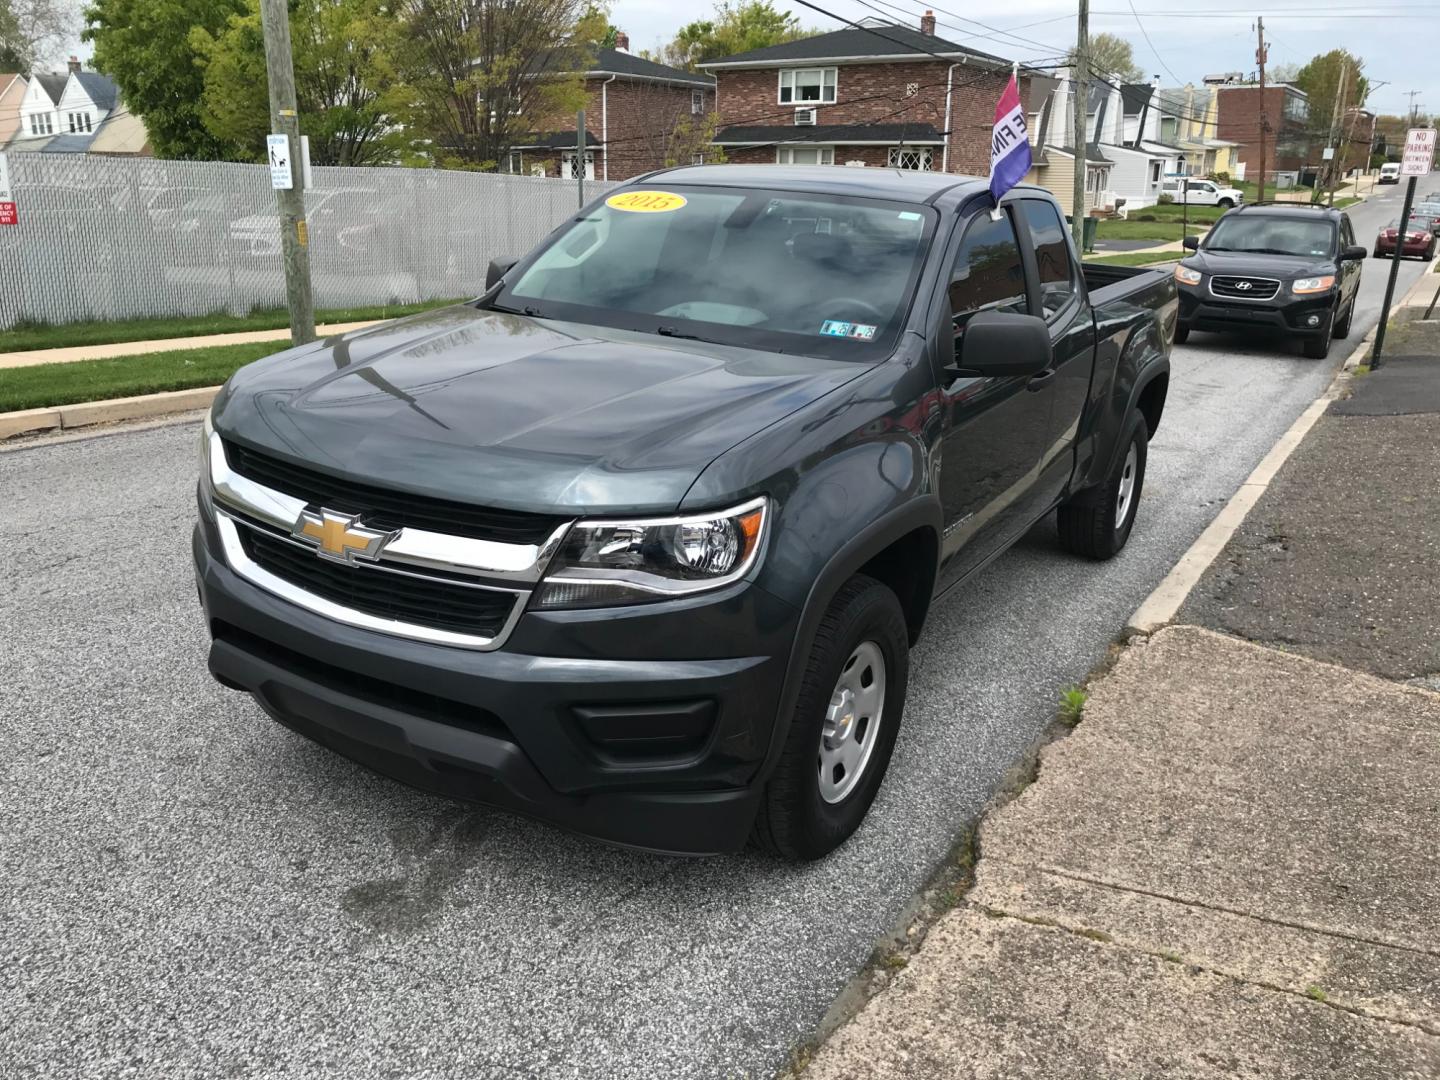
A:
(1099, 527)
(1317, 347)
(1342, 328)
(844, 726)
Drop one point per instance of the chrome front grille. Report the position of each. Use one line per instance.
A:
(1244, 288)
(437, 587)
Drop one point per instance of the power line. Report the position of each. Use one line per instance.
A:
(1154, 50)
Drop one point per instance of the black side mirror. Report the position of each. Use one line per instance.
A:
(1354, 253)
(498, 269)
(1191, 243)
(1003, 345)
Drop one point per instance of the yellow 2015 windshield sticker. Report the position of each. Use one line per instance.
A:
(646, 202)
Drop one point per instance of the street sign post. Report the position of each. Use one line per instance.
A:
(8, 214)
(1417, 160)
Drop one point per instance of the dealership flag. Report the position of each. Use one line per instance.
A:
(1009, 144)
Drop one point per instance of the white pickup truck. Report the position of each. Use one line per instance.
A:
(1202, 193)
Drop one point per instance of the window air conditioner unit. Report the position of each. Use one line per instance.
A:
(804, 117)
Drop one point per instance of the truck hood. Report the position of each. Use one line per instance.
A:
(513, 412)
(1240, 264)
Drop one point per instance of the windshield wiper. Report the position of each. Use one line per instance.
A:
(533, 312)
(670, 331)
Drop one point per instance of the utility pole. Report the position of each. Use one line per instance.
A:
(1414, 112)
(285, 119)
(580, 153)
(1337, 127)
(1261, 54)
(1080, 97)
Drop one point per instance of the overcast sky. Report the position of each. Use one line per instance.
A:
(1180, 49)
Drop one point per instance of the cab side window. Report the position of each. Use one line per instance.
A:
(1052, 256)
(988, 273)
(1347, 231)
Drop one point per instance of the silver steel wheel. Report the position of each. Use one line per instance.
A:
(1127, 486)
(852, 722)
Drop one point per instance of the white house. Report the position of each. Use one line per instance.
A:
(40, 108)
(63, 113)
(1138, 171)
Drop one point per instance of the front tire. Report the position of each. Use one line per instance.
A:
(1342, 328)
(844, 726)
(1099, 526)
(1318, 346)
(1226, 204)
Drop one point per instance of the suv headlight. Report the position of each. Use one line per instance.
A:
(626, 562)
(1188, 276)
(1312, 284)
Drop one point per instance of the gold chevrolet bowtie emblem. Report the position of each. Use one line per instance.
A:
(339, 536)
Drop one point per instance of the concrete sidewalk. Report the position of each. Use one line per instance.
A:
(133, 348)
(1231, 867)
(1228, 870)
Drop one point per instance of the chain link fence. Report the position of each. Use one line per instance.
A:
(112, 238)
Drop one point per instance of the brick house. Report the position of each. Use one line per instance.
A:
(1288, 141)
(878, 94)
(637, 115)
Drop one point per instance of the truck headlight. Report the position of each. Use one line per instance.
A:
(1312, 284)
(207, 437)
(633, 561)
(1187, 276)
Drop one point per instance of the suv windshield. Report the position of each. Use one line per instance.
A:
(781, 271)
(1273, 235)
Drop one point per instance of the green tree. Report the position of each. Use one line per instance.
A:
(1320, 78)
(1114, 56)
(342, 52)
(144, 46)
(732, 29)
(474, 75)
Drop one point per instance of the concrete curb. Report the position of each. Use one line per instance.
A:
(114, 410)
(1162, 605)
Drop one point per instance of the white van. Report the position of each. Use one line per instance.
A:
(1390, 173)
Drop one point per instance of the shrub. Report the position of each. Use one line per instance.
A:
(1165, 199)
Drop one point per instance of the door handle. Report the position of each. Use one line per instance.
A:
(1042, 380)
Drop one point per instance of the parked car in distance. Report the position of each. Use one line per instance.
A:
(1390, 173)
(638, 542)
(1286, 269)
(1419, 238)
(1202, 193)
(1428, 209)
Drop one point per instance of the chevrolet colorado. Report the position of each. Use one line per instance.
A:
(638, 541)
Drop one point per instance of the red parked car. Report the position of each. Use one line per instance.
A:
(1419, 238)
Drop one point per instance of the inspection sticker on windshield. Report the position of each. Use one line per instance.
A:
(646, 202)
(838, 328)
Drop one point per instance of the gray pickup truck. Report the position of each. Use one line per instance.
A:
(638, 541)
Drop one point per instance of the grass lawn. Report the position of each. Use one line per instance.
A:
(149, 373)
(27, 336)
(1159, 231)
(1341, 204)
(1136, 258)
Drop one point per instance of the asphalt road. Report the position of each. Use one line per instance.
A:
(189, 890)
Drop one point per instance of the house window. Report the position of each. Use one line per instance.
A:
(1154, 172)
(805, 155)
(697, 102)
(40, 124)
(1095, 180)
(697, 159)
(919, 158)
(807, 84)
(1169, 129)
(79, 122)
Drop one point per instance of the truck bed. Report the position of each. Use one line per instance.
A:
(1107, 283)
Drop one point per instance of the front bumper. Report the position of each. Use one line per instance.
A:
(1284, 313)
(644, 726)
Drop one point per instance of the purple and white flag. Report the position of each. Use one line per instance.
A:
(1009, 144)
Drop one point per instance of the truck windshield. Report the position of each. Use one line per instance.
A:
(1272, 235)
(782, 271)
